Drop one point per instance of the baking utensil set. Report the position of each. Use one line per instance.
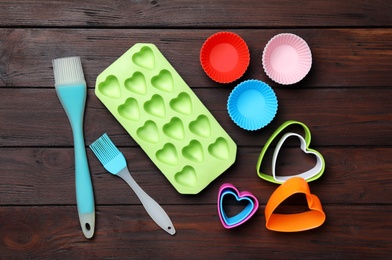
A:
(162, 114)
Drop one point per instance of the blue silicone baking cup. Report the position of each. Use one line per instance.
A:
(252, 104)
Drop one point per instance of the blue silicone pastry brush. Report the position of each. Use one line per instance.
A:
(71, 90)
(114, 162)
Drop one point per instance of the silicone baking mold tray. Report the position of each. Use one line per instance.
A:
(163, 115)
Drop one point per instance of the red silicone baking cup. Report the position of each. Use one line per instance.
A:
(224, 57)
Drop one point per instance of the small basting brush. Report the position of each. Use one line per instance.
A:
(114, 162)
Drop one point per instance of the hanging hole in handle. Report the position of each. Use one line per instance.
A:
(87, 226)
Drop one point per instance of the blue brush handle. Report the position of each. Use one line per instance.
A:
(73, 98)
(83, 184)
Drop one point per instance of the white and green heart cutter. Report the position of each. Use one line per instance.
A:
(310, 175)
(164, 116)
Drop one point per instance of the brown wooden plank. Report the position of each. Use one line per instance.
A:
(341, 57)
(199, 14)
(127, 232)
(45, 176)
(34, 117)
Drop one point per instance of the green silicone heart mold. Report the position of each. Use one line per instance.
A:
(163, 115)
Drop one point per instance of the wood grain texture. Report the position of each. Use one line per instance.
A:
(127, 232)
(345, 101)
(45, 176)
(339, 54)
(355, 116)
(202, 13)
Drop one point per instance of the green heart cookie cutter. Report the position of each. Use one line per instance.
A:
(269, 177)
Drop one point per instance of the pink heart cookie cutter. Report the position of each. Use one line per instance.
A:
(252, 205)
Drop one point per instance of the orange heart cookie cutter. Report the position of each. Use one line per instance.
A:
(313, 218)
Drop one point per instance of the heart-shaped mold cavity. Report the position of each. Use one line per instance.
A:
(155, 106)
(219, 149)
(136, 83)
(163, 81)
(144, 58)
(201, 126)
(182, 104)
(186, 177)
(174, 129)
(168, 155)
(194, 151)
(148, 132)
(129, 110)
(110, 87)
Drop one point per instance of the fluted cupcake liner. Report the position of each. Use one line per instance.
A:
(287, 58)
(252, 105)
(224, 57)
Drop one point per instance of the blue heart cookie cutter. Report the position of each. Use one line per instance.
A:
(252, 204)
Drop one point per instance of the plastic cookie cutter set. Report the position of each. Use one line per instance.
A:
(163, 115)
(226, 191)
(302, 221)
(311, 174)
(294, 184)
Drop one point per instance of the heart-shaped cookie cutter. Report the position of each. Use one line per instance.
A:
(310, 175)
(252, 205)
(304, 147)
(313, 218)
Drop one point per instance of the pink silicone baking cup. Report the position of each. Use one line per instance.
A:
(224, 57)
(287, 58)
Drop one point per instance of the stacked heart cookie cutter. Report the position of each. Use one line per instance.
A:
(251, 205)
(289, 185)
(310, 175)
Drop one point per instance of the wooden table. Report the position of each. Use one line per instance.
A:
(345, 100)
